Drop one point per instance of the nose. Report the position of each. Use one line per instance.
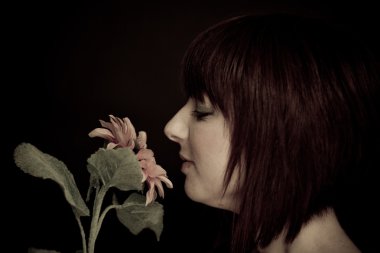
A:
(176, 129)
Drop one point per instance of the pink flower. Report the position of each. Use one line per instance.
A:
(119, 132)
(141, 140)
(153, 173)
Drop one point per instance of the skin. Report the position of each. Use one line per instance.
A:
(322, 233)
(204, 138)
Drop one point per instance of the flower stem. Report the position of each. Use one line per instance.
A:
(95, 218)
(104, 214)
(101, 218)
(82, 233)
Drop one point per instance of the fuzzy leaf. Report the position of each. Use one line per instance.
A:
(36, 163)
(136, 216)
(93, 184)
(115, 168)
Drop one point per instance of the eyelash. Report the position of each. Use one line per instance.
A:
(200, 115)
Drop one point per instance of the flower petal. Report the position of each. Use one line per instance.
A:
(112, 145)
(103, 133)
(145, 154)
(166, 180)
(160, 188)
(122, 130)
(151, 194)
(149, 167)
(129, 127)
(159, 171)
(106, 125)
(141, 140)
(145, 176)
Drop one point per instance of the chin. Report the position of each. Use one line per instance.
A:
(194, 193)
(201, 197)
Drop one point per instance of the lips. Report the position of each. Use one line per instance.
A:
(184, 158)
(187, 163)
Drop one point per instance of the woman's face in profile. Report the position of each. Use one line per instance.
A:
(203, 135)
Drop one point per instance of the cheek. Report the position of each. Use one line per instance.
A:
(215, 149)
(211, 157)
(210, 141)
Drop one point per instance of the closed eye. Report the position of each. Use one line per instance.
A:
(199, 115)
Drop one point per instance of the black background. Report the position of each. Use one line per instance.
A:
(68, 64)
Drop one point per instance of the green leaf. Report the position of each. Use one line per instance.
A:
(36, 163)
(136, 216)
(93, 184)
(115, 168)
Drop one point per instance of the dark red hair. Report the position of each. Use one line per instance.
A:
(299, 96)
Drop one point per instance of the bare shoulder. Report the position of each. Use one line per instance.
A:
(323, 233)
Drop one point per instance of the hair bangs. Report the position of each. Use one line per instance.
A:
(210, 67)
(199, 74)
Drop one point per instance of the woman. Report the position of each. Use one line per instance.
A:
(281, 117)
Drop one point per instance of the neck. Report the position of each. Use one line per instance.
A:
(322, 233)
